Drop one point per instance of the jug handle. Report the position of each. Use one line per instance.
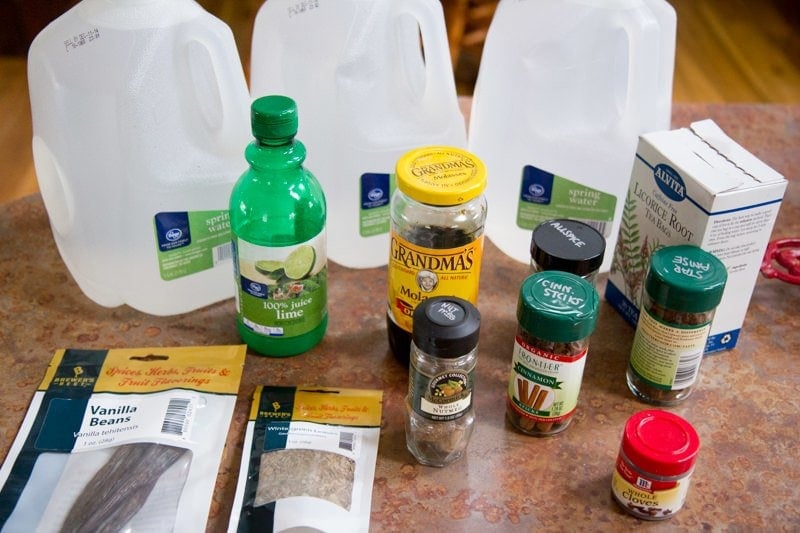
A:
(644, 40)
(430, 17)
(226, 85)
(56, 193)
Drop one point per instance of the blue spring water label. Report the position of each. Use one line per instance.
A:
(544, 196)
(188, 242)
(375, 191)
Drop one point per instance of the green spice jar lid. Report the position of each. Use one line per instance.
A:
(686, 278)
(446, 326)
(440, 175)
(557, 306)
(273, 117)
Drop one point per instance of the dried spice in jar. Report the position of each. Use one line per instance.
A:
(438, 213)
(439, 412)
(556, 314)
(567, 245)
(655, 464)
(683, 286)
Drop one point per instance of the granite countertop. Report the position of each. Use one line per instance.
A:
(746, 406)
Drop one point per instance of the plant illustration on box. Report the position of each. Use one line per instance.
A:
(630, 257)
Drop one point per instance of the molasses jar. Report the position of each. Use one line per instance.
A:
(681, 291)
(556, 314)
(438, 213)
(567, 245)
(439, 412)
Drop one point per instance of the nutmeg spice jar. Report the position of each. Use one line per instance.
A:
(439, 412)
(683, 287)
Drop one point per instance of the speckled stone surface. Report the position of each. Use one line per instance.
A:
(746, 407)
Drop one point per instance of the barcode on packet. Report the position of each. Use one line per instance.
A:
(176, 420)
(221, 253)
(347, 440)
(687, 370)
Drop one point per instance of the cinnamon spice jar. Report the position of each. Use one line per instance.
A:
(556, 314)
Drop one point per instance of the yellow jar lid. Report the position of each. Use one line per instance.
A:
(441, 175)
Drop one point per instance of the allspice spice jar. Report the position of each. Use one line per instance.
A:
(567, 245)
(655, 463)
(682, 289)
(556, 314)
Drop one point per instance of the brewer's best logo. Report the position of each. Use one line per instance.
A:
(670, 182)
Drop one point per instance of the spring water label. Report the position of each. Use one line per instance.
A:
(544, 196)
(375, 190)
(282, 291)
(190, 242)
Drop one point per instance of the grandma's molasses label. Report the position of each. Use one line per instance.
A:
(417, 273)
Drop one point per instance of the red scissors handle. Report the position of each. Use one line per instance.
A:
(782, 260)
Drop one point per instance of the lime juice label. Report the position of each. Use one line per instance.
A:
(281, 291)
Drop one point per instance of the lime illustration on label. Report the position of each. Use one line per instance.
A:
(282, 290)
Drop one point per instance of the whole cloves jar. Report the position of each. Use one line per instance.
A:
(444, 349)
(556, 314)
(655, 463)
(683, 286)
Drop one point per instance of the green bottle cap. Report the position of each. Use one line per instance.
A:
(686, 278)
(273, 117)
(557, 306)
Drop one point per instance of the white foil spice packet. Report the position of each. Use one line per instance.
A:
(308, 460)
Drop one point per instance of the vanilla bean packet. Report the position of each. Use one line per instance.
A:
(122, 440)
(308, 460)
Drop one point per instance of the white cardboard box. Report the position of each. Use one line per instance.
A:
(696, 185)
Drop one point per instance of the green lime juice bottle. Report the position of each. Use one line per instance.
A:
(278, 214)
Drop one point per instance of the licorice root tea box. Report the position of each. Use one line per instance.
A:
(696, 185)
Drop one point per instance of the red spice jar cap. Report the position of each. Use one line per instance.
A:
(660, 442)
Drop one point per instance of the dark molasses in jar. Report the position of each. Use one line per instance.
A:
(436, 241)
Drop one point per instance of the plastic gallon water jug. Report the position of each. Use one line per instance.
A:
(565, 88)
(366, 96)
(140, 112)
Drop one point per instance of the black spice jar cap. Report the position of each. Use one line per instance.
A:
(567, 245)
(446, 326)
